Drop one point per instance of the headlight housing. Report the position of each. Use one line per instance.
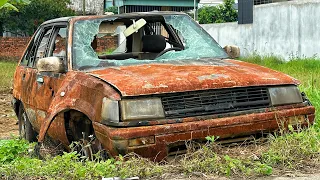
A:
(110, 110)
(283, 95)
(141, 109)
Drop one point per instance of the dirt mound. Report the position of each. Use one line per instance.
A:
(8, 119)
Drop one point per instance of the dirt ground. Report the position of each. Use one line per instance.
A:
(8, 119)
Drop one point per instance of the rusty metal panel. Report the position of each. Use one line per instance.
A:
(116, 140)
(167, 78)
(80, 92)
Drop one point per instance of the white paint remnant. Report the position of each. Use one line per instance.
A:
(212, 76)
(150, 86)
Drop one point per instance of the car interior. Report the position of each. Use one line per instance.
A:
(150, 41)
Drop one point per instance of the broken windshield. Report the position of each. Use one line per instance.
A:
(140, 40)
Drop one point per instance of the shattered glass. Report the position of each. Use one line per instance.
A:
(198, 44)
(83, 36)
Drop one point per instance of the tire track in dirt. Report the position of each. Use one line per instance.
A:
(8, 119)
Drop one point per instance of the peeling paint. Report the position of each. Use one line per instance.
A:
(211, 76)
(150, 86)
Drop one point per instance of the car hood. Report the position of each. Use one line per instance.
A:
(159, 78)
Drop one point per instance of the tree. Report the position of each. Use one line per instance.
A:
(218, 14)
(112, 9)
(29, 17)
(10, 4)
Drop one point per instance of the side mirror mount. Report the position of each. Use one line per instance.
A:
(50, 64)
(232, 51)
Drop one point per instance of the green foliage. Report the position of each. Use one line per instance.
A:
(11, 149)
(210, 160)
(112, 9)
(212, 138)
(30, 16)
(218, 14)
(10, 4)
(290, 150)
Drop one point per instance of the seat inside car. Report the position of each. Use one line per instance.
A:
(152, 45)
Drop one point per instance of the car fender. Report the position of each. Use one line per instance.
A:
(81, 92)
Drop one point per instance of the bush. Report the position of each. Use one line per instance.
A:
(112, 9)
(30, 16)
(12, 149)
(218, 14)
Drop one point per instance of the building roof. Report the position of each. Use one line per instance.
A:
(177, 3)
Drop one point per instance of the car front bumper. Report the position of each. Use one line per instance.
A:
(154, 141)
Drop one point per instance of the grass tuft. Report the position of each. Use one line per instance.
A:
(6, 75)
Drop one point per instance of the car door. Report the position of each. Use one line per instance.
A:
(46, 84)
(27, 72)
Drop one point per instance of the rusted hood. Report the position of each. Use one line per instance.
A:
(166, 78)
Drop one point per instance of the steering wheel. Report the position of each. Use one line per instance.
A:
(167, 50)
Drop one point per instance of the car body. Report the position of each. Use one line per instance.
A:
(145, 83)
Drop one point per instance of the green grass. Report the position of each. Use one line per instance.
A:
(305, 70)
(6, 75)
(291, 151)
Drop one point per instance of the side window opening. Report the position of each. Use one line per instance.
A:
(39, 47)
(58, 48)
(41, 52)
(31, 49)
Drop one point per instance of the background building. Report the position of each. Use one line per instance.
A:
(126, 6)
(92, 7)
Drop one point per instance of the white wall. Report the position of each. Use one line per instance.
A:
(284, 29)
(92, 6)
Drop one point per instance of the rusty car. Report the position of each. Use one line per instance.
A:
(145, 83)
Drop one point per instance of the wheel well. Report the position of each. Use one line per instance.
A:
(78, 125)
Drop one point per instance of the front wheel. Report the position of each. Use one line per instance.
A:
(90, 148)
(25, 128)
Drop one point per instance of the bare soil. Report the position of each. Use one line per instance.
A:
(8, 119)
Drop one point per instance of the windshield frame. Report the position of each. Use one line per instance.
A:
(136, 16)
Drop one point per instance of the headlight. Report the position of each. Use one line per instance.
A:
(285, 95)
(110, 110)
(141, 109)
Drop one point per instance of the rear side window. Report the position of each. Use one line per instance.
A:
(30, 49)
(38, 47)
(44, 43)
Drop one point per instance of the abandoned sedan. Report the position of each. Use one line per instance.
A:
(145, 83)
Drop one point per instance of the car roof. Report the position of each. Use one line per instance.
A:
(126, 15)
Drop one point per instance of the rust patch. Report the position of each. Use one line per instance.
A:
(168, 78)
(116, 140)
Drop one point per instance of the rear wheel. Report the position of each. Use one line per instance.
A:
(25, 128)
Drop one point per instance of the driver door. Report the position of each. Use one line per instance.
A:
(46, 84)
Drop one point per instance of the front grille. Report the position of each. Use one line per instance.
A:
(199, 103)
